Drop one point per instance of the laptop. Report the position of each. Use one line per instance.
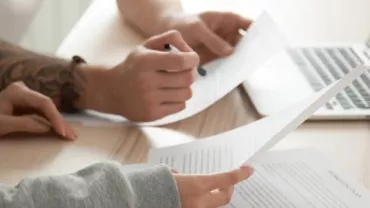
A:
(295, 73)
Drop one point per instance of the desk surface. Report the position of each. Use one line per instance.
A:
(102, 38)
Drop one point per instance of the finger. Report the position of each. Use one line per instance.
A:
(168, 109)
(236, 20)
(45, 105)
(174, 96)
(214, 42)
(222, 180)
(27, 124)
(172, 37)
(218, 198)
(235, 40)
(205, 54)
(158, 60)
(243, 23)
(181, 79)
(70, 133)
(23, 96)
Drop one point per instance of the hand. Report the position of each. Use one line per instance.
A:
(141, 89)
(18, 97)
(209, 191)
(210, 34)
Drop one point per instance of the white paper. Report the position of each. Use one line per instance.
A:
(94, 118)
(298, 178)
(229, 150)
(262, 40)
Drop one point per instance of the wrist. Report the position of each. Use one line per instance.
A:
(92, 85)
(157, 178)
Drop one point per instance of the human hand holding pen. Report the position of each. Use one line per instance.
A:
(151, 83)
(171, 48)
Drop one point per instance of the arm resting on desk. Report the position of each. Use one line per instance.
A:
(102, 185)
(51, 76)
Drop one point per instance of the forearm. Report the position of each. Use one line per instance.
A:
(101, 185)
(51, 76)
(149, 16)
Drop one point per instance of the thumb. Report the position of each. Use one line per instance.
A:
(27, 123)
(214, 42)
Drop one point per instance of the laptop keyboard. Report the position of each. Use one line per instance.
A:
(323, 66)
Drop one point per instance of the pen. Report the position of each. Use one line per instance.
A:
(169, 47)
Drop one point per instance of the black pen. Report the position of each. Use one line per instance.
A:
(169, 47)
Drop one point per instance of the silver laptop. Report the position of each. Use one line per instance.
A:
(295, 73)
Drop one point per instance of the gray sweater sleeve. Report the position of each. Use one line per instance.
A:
(107, 185)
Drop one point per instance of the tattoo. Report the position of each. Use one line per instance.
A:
(52, 77)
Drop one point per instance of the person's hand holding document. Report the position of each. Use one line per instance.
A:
(213, 190)
(248, 144)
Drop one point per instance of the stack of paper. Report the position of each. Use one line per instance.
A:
(299, 178)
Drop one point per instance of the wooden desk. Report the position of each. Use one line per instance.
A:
(101, 38)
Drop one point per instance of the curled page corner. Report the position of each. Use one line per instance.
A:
(261, 41)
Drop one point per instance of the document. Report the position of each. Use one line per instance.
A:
(298, 179)
(245, 144)
(262, 40)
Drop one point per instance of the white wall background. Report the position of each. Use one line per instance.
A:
(52, 23)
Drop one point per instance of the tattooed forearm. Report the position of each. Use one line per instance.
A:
(51, 76)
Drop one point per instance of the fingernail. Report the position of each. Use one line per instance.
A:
(74, 135)
(63, 132)
(228, 50)
(71, 135)
(248, 169)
